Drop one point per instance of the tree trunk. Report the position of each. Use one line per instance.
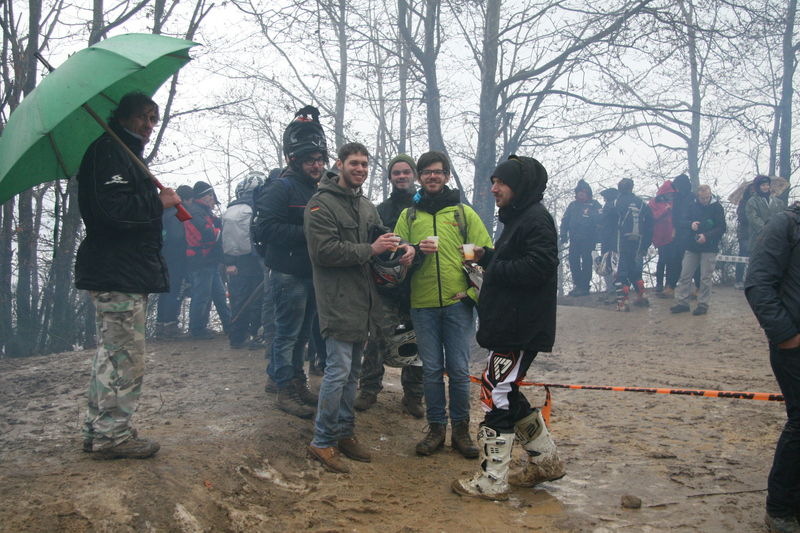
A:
(785, 154)
(486, 150)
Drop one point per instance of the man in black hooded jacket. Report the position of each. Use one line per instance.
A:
(517, 311)
(579, 226)
(772, 288)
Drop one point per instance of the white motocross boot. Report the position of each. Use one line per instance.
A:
(543, 463)
(491, 481)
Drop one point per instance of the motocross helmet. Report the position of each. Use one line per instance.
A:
(401, 348)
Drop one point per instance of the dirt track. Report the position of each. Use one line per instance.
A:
(230, 462)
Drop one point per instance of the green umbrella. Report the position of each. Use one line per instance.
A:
(48, 133)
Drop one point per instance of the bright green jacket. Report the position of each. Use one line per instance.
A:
(440, 277)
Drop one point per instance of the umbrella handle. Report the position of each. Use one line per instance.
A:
(180, 212)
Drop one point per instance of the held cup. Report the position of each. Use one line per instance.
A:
(469, 251)
(435, 240)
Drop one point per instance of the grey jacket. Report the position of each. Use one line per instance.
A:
(759, 211)
(337, 224)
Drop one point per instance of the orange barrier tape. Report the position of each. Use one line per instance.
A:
(738, 395)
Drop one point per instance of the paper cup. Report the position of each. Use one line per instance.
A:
(435, 239)
(469, 251)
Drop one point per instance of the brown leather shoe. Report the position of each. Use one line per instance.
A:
(354, 450)
(330, 458)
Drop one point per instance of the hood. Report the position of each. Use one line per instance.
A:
(682, 184)
(526, 177)
(757, 185)
(665, 188)
(583, 186)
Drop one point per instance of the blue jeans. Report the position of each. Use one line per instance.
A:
(335, 416)
(443, 335)
(207, 286)
(294, 311)
(783, 484)
(169, 303)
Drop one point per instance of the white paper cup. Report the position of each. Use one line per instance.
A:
(435, 239)
(469, 251)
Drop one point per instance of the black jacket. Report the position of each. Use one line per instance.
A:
(772, 285)
(279, 210)
(390, 209)
(712, 224)
(630, 231)
(122, 212)
(517, 304)
(581, 222)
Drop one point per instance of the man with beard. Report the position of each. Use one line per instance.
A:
(441, 305)
(119, 263)
(338, 222)
(402, 173)
(279, 227)
(520, 275)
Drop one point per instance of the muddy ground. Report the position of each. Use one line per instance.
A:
(231, 463)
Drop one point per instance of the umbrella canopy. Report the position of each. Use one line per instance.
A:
(48, 133)
(777, 187)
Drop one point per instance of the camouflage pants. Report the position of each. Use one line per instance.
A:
(117, 367)
(372, 369)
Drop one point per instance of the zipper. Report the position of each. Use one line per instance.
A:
(438, 271)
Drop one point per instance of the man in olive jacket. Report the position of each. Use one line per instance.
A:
(517, 311)
(337, 224)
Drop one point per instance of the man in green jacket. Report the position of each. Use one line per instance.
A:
(441, 300)
(337, 222)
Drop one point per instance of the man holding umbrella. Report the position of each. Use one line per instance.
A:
(119, 263)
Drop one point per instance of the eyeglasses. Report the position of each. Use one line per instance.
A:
(314, 161)
(434, 172)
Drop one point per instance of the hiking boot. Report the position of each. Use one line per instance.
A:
(304, 393)
(330, 458)
(132, 448)
(365, 400)
(460, 440)
(680, 308)
(781, 524)
(701, 309)
(412, 405)
(353, 449)
(88, 441)
(271, 387)
(433, 440)
(167, 330)
(667, 293)
(289, 402)
(491, 481)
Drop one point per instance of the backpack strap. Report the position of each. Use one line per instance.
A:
(460, 216)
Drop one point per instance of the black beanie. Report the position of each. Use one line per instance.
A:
(185, 192)
(201, 188)
(510, 173)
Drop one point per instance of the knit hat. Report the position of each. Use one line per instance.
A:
(510, 173)
(201, 188)
(583, 186)
(405, 158)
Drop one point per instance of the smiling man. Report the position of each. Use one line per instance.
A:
(441, 307)
(119, 263)
(402, 173)
(338, 223)
(517, 312)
